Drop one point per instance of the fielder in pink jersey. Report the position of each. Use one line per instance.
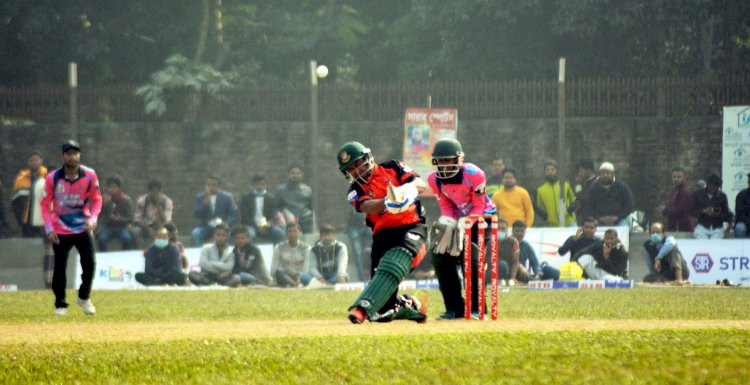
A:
(71, 203)
(460, 191)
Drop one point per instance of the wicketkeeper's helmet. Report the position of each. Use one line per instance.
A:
(447, 149)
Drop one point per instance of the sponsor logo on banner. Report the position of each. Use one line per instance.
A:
(594, 284)
(702, 263)
(115, 274)
(743, 118)
(734, 263)
(540, 285)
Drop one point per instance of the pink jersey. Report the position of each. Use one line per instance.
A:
(73, 203)
(464, 198)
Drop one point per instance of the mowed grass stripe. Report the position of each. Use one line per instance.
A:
(60, 333)
(552, 357)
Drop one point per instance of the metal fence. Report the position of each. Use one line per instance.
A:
(536, 98)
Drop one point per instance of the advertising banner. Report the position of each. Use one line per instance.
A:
(422, 128)
(116, 270)
(716, 260)
(735, 151)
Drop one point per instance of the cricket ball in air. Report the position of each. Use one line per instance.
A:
(321, 71)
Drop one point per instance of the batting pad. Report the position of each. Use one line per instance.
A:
(393, 268)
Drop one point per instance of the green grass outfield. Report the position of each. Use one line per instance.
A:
(643, 335)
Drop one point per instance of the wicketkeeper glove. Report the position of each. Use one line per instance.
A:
(457, 243)
(400, 198)
(443, 234)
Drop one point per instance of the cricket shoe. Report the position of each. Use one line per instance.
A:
(61, 311)
(447, 316)
(87, 306)
(357, 315)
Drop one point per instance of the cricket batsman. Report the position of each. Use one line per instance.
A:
(387, 194)
(460, 191)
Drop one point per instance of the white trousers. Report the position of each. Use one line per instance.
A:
(588, 263)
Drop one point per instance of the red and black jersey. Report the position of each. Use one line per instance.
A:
(388, 173)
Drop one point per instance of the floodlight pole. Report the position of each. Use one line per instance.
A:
(561, 141)
(73, 102)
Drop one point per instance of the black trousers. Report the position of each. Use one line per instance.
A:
(85, 246)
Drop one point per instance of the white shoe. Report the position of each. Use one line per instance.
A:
(87, 306)
(61, 311)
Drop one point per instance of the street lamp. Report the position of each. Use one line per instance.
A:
(316, 72)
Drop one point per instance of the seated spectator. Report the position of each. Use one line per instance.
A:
(163, 263)
(529, 268)
(606, 260)
(28, 191)
(585, 237)
(212, 206)
(610, 201)
(677, 209)
(328, 259)
(248, 260)
(259, 212)
(508, 255)
(290, 258)
(217, 262)
(116, 216)
(742, 207)
(295, 200)
(495, 178)
(663, 259)
(712, 209)
(153, 210)
(547, 199)
(360, 238)
(174, 238)
(513, 201)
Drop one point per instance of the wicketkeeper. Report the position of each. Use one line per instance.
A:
(387, 194)
(460, 190)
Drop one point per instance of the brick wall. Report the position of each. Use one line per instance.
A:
(183, 155)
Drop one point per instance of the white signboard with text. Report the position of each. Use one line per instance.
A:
(735, 151)
(716, 260)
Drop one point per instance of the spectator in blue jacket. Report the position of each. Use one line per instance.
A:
(212, 206)
(163, 262)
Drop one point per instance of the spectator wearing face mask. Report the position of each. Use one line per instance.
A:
(508, 251)
(163, 263)
(663, 259)
(328, 259)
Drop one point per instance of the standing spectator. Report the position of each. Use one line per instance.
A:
(663, 259)
(360, 236)
(73, 194)
(606, 260)
(259, 212)
(153, 210)
(512, 201)
(742, 206)
(116, 216)
(495, 179)
(295, 198)
(586, 178)
(609, 201)
(290, 258)
(212, 207)
(328, 259)
(712, 209)
(217, 262)
(548, 198)
(249, 264)
(28, 192)
(677, 210)
(163, 263)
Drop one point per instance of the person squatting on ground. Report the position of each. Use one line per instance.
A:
(217, 261)
(248, 260)
(460, 191)
(606, 260)
(663, 259)
(387, 194)
(163, 263)
(327, 259)
(72, 193)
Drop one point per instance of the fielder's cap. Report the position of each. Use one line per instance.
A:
(607, 166)
(71, 144)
